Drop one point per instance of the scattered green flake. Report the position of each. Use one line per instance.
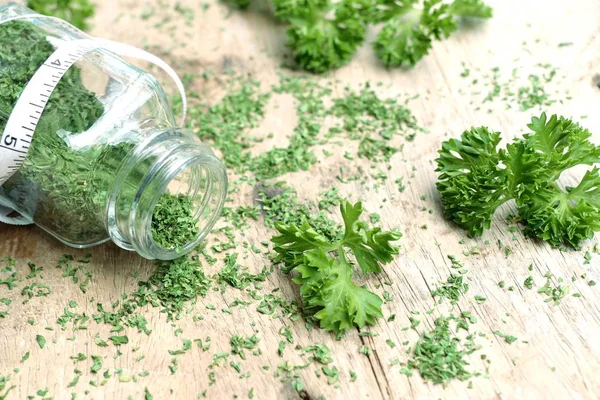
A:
(239, 344)
(36, 289)
(287, 334)
(281, 348)
(452, 289)
(507, 338)
(320, 353)
(40, 340)
(332, 373)
(97, 364)
(236, 275)
(100, 342)
(75, 380)
(554, 294)
(78, 357)
(119, 340)
(480, 299)
(147, 395)
(297, 385)
(174, 365)
(353, 376)
(329, 199)
(365, 350)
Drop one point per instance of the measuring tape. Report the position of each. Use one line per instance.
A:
(18, 133)
(20, 128)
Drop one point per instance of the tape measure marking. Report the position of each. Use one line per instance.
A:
(19, 130)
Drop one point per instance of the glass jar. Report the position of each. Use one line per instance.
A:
(107, 160)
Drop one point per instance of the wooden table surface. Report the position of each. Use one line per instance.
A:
(557, 354)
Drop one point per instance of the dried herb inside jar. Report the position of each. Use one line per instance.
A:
(173, 222)
(56, 184)
(65, 189)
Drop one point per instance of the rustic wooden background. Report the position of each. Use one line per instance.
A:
(561, 358)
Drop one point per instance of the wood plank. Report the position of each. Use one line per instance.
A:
(561, 356)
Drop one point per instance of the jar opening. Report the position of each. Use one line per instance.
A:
(187, 209)
(169, 198)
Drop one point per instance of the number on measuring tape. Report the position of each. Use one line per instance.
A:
(19, 130)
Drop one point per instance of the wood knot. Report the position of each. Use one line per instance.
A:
(304, 395)
(596, 80)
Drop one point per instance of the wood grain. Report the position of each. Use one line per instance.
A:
(561, 357)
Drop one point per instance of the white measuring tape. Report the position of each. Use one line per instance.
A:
(19, 130)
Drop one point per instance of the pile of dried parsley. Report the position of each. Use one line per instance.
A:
(65, 190)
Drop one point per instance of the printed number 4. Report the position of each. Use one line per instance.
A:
(56, 62)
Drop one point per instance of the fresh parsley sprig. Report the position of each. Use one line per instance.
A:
(410, 29)
(325, 268)
(322, 35)
(476, 178)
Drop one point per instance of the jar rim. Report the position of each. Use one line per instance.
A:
(172, 153)
(215, 191)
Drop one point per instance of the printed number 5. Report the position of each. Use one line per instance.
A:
(10, 141)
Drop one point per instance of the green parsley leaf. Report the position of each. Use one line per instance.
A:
(408, 32)
(407, 36)
(471, 8)
(325, 271)
(322, 35)
(476, 178)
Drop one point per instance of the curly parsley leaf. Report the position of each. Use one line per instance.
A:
(471, 182)
(408, 32)
(384, 10)
(371, 246)
(564, 217)
(322, 35)
(471, 9)
(559, 216)
(559, 144)
(476, 178)
(325, 269)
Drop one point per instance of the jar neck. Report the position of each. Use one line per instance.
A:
(168, 195)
